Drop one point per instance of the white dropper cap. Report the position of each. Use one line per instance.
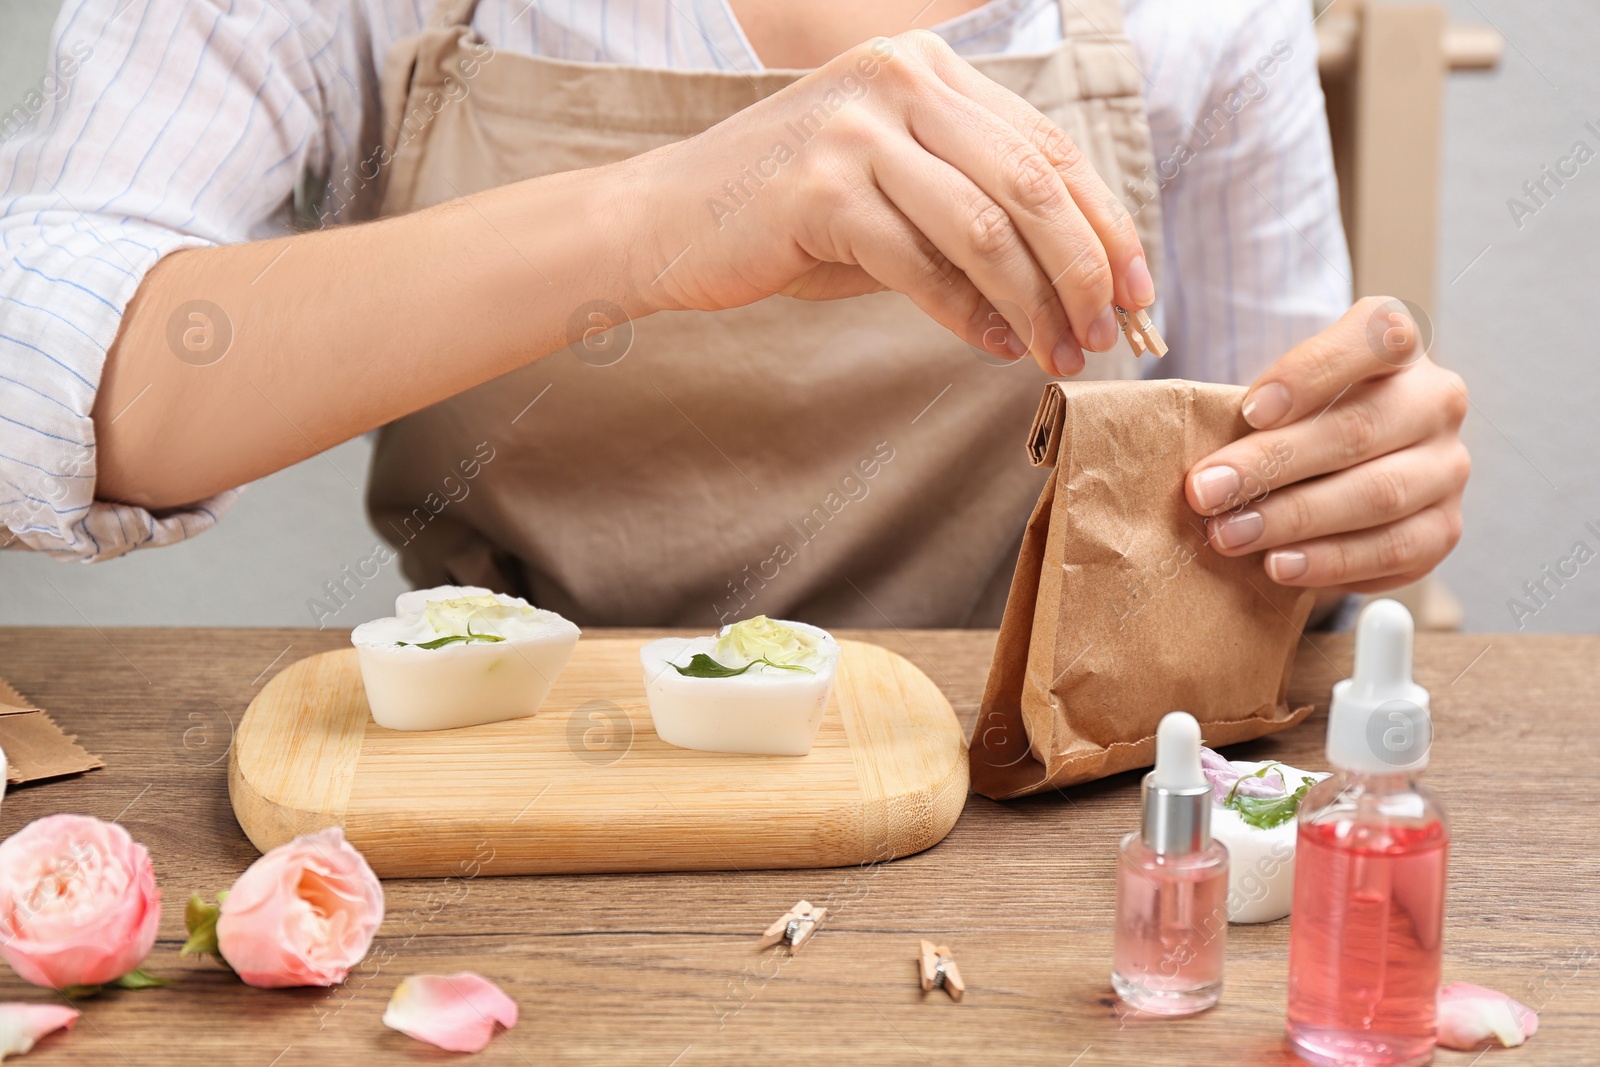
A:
(1178, 753)
(1379, 721)
(1177, 796)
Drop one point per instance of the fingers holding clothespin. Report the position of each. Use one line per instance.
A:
(1142, 334)
(795, 927)
(939, 971)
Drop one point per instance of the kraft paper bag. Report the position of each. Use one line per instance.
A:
(35, 747)
(1119, 610)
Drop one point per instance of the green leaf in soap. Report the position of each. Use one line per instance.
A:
(1266, 812)
(703, 666)
(452, 639)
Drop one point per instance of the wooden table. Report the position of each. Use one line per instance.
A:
(662, 970)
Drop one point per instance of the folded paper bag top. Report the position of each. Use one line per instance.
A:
(1119, 610)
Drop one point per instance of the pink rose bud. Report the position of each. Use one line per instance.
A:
(1470, 1016)
(457, 1012)
(78, 902)
(22, 1025)
(303, 914)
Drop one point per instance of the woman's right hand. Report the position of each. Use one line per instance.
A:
(916, 173)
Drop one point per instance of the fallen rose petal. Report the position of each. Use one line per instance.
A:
(457, 1012)
(1470, 1015)
(23, 1024)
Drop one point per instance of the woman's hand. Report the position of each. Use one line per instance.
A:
(897, 166)
(1354, 475)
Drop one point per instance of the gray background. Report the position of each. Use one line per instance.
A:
(1512, 318)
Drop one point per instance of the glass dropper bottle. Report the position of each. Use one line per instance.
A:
(1172, 886)
(1366, 932)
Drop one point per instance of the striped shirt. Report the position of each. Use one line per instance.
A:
(170, 124)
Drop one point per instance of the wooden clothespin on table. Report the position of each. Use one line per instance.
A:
(1142, 335)
(939, 971)
(795, 927)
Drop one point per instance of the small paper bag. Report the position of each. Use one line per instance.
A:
(35, 747)
(1119, 609)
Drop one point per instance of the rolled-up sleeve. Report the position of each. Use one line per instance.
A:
(160, 125)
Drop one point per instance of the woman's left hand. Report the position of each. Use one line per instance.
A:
(1354, 475)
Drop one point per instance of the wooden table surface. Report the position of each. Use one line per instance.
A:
(662, 970)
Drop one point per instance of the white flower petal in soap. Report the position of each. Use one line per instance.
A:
(1253, 814)
(458, 656)
(761, 689)
(761, 639)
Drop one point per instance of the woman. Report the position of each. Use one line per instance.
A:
(567, 323)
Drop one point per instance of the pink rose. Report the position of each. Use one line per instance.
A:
(303, 914)
(78, 902)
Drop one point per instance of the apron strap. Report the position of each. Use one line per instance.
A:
(1091, 19)
(457, 12)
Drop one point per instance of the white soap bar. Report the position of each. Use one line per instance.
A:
(460, 682)
(1260, 862)
(764, 711)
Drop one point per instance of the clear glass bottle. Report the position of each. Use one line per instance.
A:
(1371, 854)
(1172, 886)
(1366, 940)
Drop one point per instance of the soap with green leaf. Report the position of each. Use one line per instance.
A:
(1253, 813)
(758, 686)
(456, 656)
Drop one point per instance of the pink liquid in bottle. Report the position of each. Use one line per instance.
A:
(1171, 927)
(1366, 935)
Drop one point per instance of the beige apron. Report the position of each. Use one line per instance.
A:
(848, 463)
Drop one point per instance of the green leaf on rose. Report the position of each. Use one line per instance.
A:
(1266, 812)
(200, 919)
(138, 978)
(703, 666)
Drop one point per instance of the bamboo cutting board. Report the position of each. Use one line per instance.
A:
(586, 785)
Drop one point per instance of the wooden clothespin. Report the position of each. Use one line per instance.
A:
(1142, 334)
(939, 971)
(796, 926)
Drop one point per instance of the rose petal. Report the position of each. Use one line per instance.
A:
(23, 1024)
(1219, 772)
(1228, 777)
(457, 1012)
(1470, 1015)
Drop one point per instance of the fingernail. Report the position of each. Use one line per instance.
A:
(1214, 486)
(1236, 531)
(1014, 344)
(1286, 565)
(1103, 333)
(1067, 357)
(1267, 405)
(1141, 286)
